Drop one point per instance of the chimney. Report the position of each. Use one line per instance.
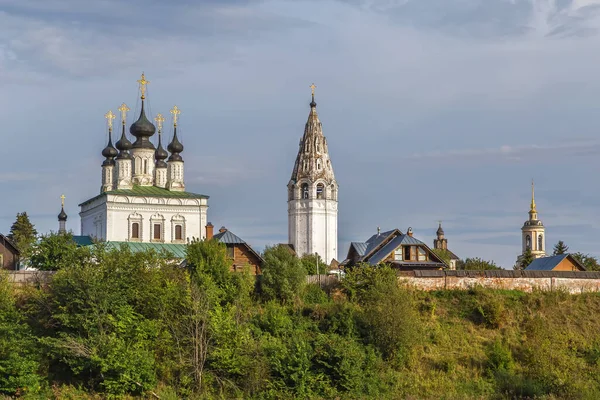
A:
(378, 231)
(209, 231)
(223, 229)
(409, 232)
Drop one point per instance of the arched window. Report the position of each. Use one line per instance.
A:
(157, 232)
(320, 189)
(145, 166)
(135, 230)
(305, 190)
(178, 232)
(540, 242)
(528, 242)
(317, 147)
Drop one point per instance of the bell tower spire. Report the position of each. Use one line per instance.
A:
(533, 231)
(312, 193)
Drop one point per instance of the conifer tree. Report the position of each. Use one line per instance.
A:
(23, 234)
(526, 259)
(560, 248)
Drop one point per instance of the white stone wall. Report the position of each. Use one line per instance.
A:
(143, 167)
(313, 227)
(534, 232)
(175, 176)
(109, 217)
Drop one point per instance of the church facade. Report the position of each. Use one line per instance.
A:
(313, 194)
(142, 196)
(533, 232)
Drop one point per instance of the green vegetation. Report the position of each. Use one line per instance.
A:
(23, 234)
(476, 264)
(560, 248)
(116, 324)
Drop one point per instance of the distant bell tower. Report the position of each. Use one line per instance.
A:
(533, 231)
(313, 194)
(441, 243)
(62, 217)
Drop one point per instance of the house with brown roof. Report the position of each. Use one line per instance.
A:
(9, 254)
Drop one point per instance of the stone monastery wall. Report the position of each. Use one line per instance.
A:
(527, 281)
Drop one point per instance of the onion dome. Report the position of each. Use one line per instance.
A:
(123, 145)
(440, 231)
(109, 152)
(175, 147)
(142, 129)
(160, 155)
(63, 215)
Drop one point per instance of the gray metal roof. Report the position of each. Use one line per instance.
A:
(376, 240)
(391, 246)
(360, 247)
(228, 237)
(549, 263)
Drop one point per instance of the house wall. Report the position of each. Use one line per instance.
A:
(242, 257)
(109, 217)
(9, 259)
(566, 265)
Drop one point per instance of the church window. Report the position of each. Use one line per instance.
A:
(317, 148)
(135, 230)
(304, 165)
(230, 252)
(528, 242)
(145, 166)
(540, 243)
(318, 165)
(157, 232)
(178, 232)
(305, 190)
(320, 189)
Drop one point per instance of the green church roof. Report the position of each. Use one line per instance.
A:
(178, 250)
(150, 191)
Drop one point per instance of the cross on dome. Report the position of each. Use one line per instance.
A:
(143, 82)
(159, 121)
(109, 118)
(123, 110)
(62, 200)
(175, 111)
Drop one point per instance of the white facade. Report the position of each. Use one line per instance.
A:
(313, 195)
(110, 217)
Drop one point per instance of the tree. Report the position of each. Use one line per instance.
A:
(310, 261)
(525, 260)
(443, 254)
(56, 251)
(476, 264)
(23, 234)
(589, 262)
(283, 274)
(560, 248)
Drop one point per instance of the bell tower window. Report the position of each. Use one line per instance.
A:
(305, 190)
(528, 242)
(320, 189)
(540, 242)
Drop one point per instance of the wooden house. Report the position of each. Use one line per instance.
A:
(9, 254)
(561, 262)
(242, 255)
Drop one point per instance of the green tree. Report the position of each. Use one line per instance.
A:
(283, 275)
(310, 261)
(23, 234)
(524, 261)
(56, 251)
(18, 350)
(476, 264)
(589, 262)
(560, 248)
(443, 254)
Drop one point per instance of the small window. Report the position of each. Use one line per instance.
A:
(540, 243)
(318, 165)
(320, 189)
(230, 252)
(317, 147)
(422, 254)
(528, 242)
(304, 165)
(178, 232)
(135, 230)
(305, 190)
(406, 253)
(398, 254)
(157, 232)
(145, 166)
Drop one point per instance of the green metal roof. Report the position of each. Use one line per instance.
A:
(150, 191)
(178, 250)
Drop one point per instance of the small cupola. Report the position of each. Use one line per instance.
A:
(142, 129)
(175, 147)
(160, 155)
(109, 152)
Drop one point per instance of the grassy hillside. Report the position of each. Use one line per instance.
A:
(122, 325)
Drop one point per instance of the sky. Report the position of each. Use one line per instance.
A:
(433, 110)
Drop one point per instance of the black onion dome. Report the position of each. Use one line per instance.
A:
(109, 151)
(63, 215)
(175, 147)
(440, 231)
(160, 154)
(123, 145)
(312, 103)
(142, 129)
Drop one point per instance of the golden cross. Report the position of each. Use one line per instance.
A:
(159, 121)
(109, 117)
(143, 82)
(312, 89)
(123, 110)
(62, 200)
(175, 111)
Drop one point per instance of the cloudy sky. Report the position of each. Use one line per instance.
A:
(433, 110)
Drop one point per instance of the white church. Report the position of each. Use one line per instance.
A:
(143, 196)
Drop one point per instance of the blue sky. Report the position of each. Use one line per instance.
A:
(433, 110)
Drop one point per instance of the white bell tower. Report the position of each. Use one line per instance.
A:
(313, 194)
(533, 231)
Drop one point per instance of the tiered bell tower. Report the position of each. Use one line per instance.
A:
(313, 194)
(533, 231)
